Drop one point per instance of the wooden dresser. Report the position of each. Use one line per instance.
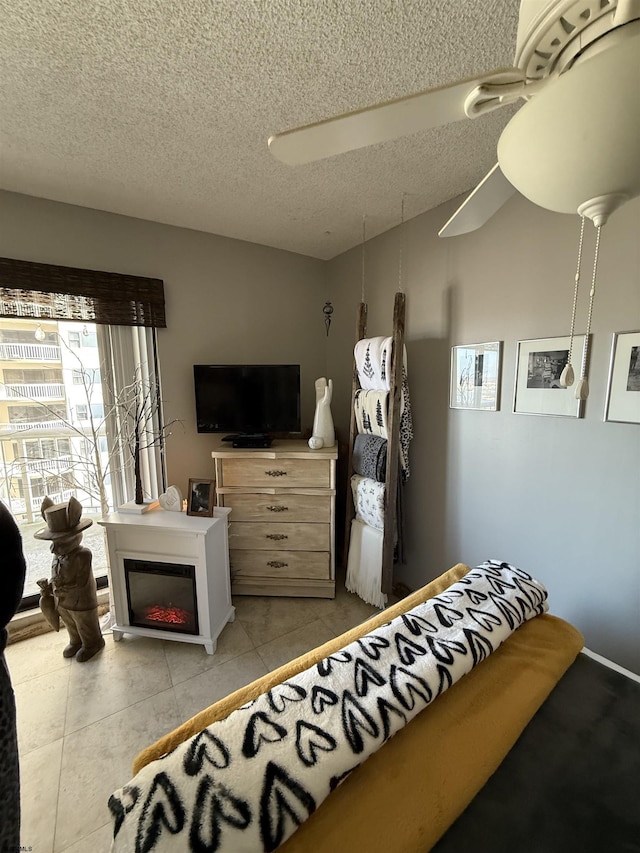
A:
(281, 530)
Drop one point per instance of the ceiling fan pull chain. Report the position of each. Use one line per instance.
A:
(582, 388)
(567, 377)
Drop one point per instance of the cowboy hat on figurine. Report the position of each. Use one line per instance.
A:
(62, 519)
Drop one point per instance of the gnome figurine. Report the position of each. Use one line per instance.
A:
(72, 585)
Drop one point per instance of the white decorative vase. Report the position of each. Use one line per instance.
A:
(323, 421)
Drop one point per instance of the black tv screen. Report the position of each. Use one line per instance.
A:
(247, 398)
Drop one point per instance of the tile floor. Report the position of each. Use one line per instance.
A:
(81, 725)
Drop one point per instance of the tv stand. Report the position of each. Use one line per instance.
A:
(257, 439)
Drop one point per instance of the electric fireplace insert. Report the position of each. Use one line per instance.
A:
(161, 595)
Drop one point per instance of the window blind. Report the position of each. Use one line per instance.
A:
(33, 290)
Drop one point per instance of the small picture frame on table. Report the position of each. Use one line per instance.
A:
(539, 365)
(200, 500)
(623, 388)
(475, 376)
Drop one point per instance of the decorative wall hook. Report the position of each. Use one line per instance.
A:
(327, 311)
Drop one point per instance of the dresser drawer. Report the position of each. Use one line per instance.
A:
(285, 537)
(279, 564)
(276, 472)
(282, 507)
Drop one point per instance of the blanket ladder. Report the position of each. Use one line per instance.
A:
(392, 516)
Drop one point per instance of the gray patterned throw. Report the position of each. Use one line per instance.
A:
(247, 782)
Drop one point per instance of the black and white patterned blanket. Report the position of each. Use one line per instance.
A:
(247, 782)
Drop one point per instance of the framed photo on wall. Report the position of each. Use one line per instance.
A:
(475, 376)
(623, 389)
(200, 498)
(539, 364)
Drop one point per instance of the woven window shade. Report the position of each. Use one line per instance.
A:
(31, 290)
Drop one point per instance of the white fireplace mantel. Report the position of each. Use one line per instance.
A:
(173, 537)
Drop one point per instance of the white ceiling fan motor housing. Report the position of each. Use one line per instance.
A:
(579, 139)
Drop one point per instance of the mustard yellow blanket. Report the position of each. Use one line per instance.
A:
(406, 795)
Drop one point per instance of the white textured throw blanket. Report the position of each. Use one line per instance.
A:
(247, 782)
(368, 500)
(373, 362)
(364, 563)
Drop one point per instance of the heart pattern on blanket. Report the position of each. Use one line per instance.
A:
(260, 729)
(284, 802)
(214, 807)
(365, 675)
(408, 651)
(372, 646)
(310, 739)
(417, 625)
(205, 746)
(162, 810)
(325, 666)
(283, 693)
(247, 782)
(321, 698)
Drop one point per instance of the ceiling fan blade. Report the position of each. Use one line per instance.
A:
(369, 126)
(478, 207)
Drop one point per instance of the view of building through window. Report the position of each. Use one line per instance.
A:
(52, 432)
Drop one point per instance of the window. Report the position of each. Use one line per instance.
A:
(25, 336)
(33, 449)
(48, 446)
(48, 319)
(35, 414)
(32, 377)
(37, 488)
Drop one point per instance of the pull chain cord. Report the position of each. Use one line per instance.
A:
(582, 388)
(364, 240)
(567, 377)
(400, 287)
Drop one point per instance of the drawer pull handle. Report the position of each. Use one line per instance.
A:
(277, 508)
(277, 537)
(277, 564)
(276, 473)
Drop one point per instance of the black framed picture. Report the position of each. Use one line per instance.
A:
(200, 499)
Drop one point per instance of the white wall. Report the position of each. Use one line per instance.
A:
(558, 496)
(227, 301)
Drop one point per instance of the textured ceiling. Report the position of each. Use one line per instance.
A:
(161, 109)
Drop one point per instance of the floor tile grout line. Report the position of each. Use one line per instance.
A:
(64, 726)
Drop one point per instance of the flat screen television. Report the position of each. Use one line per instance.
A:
(247, 399)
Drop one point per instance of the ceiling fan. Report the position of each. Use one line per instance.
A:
(574, 146)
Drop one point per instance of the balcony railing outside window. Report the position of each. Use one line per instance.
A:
(29, 352)
(33, 391)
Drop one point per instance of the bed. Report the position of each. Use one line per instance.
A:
(535, 748)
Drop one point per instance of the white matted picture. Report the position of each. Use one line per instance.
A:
(200, 498)
(539, 365)
(475, 376)
(623, 391)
